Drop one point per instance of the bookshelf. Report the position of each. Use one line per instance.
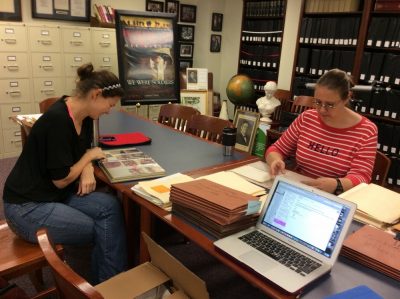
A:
(261, 36)
(371, 53)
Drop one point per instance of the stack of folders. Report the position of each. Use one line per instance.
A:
(217, 209)
(376, 205)
(374, 248)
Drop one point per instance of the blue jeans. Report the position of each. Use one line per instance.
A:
(80, 220)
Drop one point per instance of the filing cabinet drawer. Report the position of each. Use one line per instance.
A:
(76, 39)
(47, 87)
(8, 110)
(14, 65)
(12, 140)
(14, 90)
(104, 41)
(44, 39)
(70, 86)
(46, 64)
(13, 37)
(1, 144)
(106, 62)
(73, 61)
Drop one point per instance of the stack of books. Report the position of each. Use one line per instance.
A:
(374, 248)
(217, 209)
(104, 13)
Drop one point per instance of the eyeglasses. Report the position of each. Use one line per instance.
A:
(327, 106)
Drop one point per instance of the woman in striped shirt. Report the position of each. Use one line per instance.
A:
(332, 144)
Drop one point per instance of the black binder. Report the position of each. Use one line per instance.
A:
(376, 66)
(366, 62)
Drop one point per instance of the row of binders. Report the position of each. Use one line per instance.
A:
(385, 103)
(331, 6)
(262, 31)
(259, 56)
(274, 8)
(330, 31)
(104, 13)
(384, 32)
(258, 76)
(380, 66)
(317, 61)
(393, 178)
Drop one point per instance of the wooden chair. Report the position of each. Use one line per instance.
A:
(301, 104)
(176, 115)
(69, 283)
(381, 169)
(207, 127)
(19, 257)
(45, 104)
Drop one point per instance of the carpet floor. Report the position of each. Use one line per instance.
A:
(221, 282)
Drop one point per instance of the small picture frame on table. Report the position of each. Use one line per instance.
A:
(188, 13)
(216, 23)
(197, 99)
(215, 43)
(10, 10)
(186, 50)
(186, 33)
(246, 123)
(155, 6)
(172, 7)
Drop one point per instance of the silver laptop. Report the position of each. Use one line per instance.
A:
(297, 238)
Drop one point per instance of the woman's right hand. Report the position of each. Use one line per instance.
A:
(95, 153)
(277, 167)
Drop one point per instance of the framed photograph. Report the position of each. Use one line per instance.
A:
(196, 99)
(186, 50)
(147, 56)
(77, 10)
(154, 6)
(10, 10)
(246, 123)
(188, 13)
(216, 23)
(186, 33)
(185, 63)
(215, 43)
(172, 7)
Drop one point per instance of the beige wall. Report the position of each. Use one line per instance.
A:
(224, 64)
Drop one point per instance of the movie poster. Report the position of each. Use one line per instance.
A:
(146, 55)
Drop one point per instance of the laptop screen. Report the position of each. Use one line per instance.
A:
(308, 218)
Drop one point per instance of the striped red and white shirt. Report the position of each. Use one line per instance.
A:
(324, 151)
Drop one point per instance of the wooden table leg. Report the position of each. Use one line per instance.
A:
(145, 226)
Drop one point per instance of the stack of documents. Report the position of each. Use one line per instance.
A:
(217, 209)
(374, 248)
(376, 205)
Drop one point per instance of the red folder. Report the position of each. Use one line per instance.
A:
(133, 138)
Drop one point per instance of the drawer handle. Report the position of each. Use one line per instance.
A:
(10, 41)
(45, 42)
(105, 44)
(16, 141)
(76, 42)
(105, 66)
(15, 93)
(13, 67)
(47, 67)
(47, 91)
(74, 65)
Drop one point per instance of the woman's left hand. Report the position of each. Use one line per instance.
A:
(326, 184)
(87, 181)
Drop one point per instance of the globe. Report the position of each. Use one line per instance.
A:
(240, 90)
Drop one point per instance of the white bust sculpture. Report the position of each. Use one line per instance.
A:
(267, 104)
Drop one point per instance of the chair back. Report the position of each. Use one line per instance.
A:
(284, 97)
(176, 115)
(207, 127)
(69, 283)
(45, 104)
(381, 169)
(302, 103)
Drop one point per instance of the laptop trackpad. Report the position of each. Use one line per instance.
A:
(257, 261)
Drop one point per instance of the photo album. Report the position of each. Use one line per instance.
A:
(128, 164)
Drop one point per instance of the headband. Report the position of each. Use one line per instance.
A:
(110, 87)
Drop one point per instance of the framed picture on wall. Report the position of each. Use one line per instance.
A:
(172, 7)
(147, 56)
(77, 10)
(246, 123)
(154, 6)
(215, 43)
(188, 13)
(216, 23)
(186, 33)
(186, 50)
(184, 64)
(10, 10)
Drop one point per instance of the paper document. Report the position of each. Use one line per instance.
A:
(31, 118)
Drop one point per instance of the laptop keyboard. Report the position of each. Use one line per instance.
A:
(281, 253)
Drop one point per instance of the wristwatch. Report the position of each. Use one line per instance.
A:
(339, 187)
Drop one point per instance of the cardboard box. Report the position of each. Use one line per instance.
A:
(149, 279)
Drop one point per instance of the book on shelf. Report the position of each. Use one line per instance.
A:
(128, 164)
